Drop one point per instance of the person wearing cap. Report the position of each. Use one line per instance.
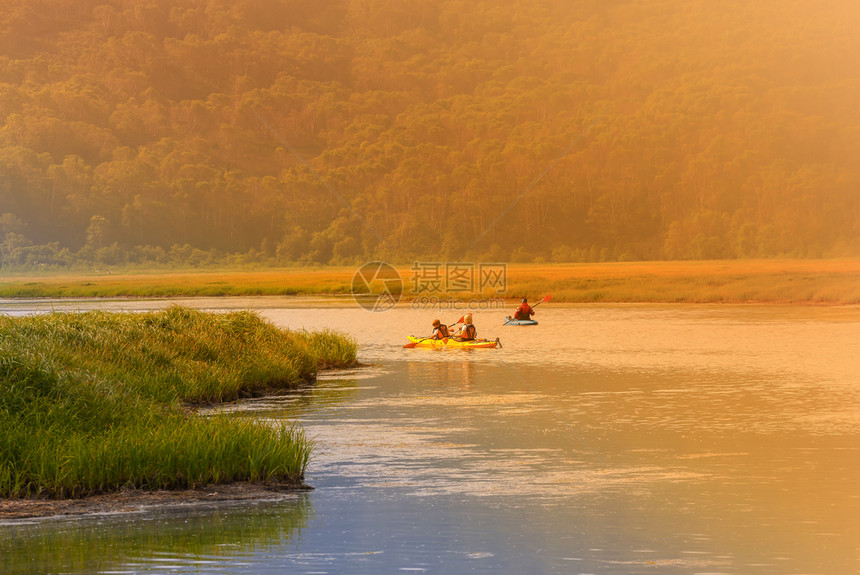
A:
(440, 330)
(468, 332)
(525, 311)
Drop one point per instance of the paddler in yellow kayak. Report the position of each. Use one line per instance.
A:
(468, 332)
(440, 330)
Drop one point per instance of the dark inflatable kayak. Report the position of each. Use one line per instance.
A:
(511, 321)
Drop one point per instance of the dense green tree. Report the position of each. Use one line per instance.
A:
(172, 131)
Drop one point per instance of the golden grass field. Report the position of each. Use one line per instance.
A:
(729, 281)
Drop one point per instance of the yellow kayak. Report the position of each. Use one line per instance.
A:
(450, 342)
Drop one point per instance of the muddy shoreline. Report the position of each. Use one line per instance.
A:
(138, 501)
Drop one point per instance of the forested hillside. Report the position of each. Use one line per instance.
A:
(342, 130)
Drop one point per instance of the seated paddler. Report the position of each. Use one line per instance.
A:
(525, 311)
(440, 330)
(467, 332)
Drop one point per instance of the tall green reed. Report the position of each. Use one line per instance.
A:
(97, 401)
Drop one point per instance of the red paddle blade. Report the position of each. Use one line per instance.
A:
(410, 345)
(547, 298)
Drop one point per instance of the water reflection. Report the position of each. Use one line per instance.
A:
(652, 469)
(451, 375)
(181, 540)
(327, 393)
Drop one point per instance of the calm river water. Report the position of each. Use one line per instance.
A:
(608, 439)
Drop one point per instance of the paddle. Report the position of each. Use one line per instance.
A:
(545, 298)
(412, 344)
(509, 319)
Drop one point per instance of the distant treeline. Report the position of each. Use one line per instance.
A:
(333, 132)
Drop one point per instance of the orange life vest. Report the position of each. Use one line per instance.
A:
(469, 332)
(443, 332)
(523, 312)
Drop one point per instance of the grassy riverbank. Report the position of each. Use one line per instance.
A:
(93, 402)
(729, 281)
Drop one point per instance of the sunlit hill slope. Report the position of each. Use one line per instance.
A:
(333, 132)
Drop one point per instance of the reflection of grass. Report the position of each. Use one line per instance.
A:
(123, 545)
(802, 281)
(305, 401)
(93, 402)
